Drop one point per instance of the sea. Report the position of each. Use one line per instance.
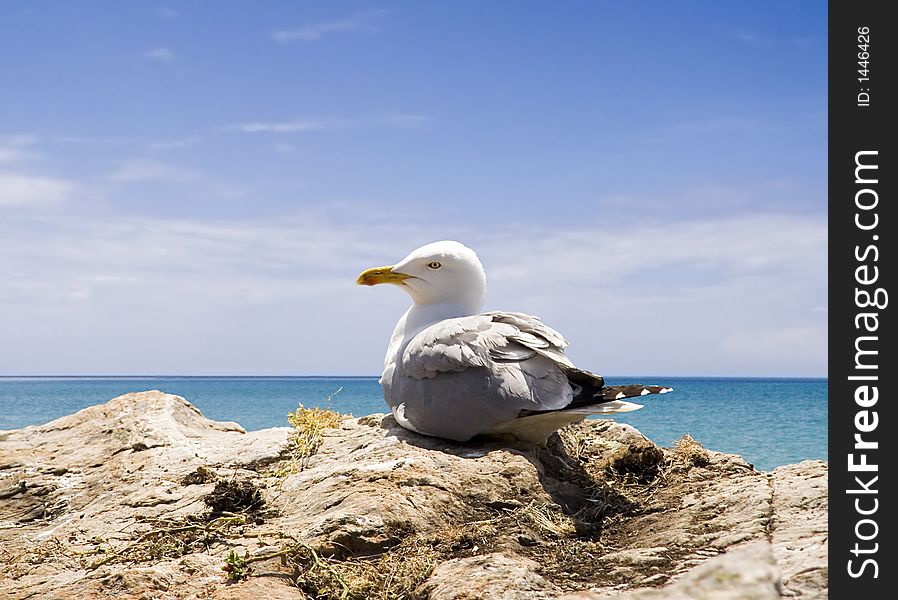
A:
(769, 421)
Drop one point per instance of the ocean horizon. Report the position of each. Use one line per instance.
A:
(769, 421)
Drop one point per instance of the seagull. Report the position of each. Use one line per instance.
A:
(454, 372)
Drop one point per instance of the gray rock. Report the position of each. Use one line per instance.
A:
(91, 503)
(488, 576)
(747, 573)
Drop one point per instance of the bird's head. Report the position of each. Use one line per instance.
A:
(439, 272)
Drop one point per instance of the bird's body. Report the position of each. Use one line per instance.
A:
(453, 372)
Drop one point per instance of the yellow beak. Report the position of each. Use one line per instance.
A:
(382, 275)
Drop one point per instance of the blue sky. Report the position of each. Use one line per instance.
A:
(191, 188)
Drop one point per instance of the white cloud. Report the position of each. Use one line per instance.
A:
(162, 55)
(137, 170)
(293, 126)
(755, 40)
(673, 298)
(17, 148)
(710, 197)
(787, 345)
(178, 144)
(721, 124)
(86, 141)
(34, 191)
(141, 176)
(19, 139)
(727, 295)
(311, 32)
(399, 120)
(12, 154)
(735, 245)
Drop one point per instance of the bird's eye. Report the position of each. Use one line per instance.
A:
(433, 265)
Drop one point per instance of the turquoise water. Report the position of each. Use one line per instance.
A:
(770, 422)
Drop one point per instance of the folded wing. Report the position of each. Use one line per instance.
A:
(483, 373)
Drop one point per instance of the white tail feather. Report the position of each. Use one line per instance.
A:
(538, 427)
(606, 408)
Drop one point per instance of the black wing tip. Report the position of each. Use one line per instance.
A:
(632, 390)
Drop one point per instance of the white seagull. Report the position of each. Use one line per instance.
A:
(454, 372)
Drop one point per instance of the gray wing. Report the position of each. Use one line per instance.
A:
(462, 376)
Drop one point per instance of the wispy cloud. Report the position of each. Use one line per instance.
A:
(755, 40)
(765, 42)
(724, 247)
(19, 139)
(311, 32)
(178, 144)
(138, 170)
(292, 126)
(160, 55)
(711, 198)
(782, 344)
(399, 120)
(34, 191)
(11, 154)
(733, 293)
(720, 124)
(168, 13)
(142, 176)
(17, 148)
(88, 140)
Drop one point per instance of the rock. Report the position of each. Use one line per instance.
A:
(798, 534)
(145, 497)
(487, 576)
(748, 573)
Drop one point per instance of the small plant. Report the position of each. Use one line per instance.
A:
(638, 463)
(309, 425)
(549, 520)
(169, 538)
(236, 567)
(199, 476)
(691, 452)
(234, 496)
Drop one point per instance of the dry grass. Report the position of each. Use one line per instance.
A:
(309, 425)
(392, 575)
(636, 463)
(169, 538)
(690, 452)
(548, 520)
(397, 573)
(16, 562)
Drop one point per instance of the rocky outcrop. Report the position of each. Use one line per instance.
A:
(143, 497)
